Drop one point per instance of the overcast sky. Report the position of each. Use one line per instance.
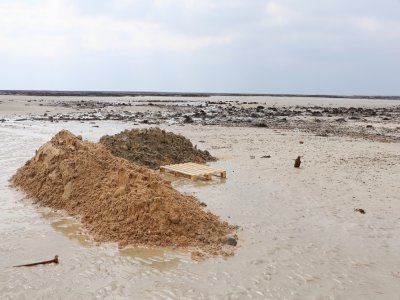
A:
(255, 46)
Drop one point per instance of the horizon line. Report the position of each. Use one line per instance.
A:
(180, 94)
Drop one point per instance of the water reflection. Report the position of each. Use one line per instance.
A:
(158, 258)
(162, 259)
(73, 230)
(182, 181)
(69, 226)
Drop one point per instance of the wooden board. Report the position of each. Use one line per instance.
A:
(194, 171)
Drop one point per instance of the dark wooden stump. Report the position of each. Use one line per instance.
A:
(297, 162)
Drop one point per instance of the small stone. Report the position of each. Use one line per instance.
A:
(231, 241)
(323, 134)
(187, 119)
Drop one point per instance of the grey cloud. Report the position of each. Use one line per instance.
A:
(295, 46)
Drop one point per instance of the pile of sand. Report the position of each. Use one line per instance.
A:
(117, 201)
(154, 147)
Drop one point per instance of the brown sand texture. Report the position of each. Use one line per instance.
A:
(118, 201)
(154, 147)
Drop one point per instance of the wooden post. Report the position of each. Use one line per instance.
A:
(297, 162)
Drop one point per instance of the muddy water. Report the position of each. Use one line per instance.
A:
(300, 237)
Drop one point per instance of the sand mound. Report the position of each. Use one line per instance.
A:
(154, 147)
(117, 201)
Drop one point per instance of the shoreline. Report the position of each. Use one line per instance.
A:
(185, 94)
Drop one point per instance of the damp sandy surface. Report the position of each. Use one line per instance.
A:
(300, 237)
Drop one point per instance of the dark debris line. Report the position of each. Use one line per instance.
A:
(322, 121)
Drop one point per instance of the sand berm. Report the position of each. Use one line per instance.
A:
(117, 200)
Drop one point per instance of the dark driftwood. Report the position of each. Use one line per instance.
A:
(297, 162)
(52, 261)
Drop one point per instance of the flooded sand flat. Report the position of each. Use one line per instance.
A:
(300, 237)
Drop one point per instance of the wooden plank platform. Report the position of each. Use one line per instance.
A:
(193, 170)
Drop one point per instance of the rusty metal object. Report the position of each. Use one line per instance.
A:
(52, 261)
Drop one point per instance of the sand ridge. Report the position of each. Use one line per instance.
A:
(117, 200)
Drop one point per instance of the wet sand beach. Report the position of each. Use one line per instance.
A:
(299, 236)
